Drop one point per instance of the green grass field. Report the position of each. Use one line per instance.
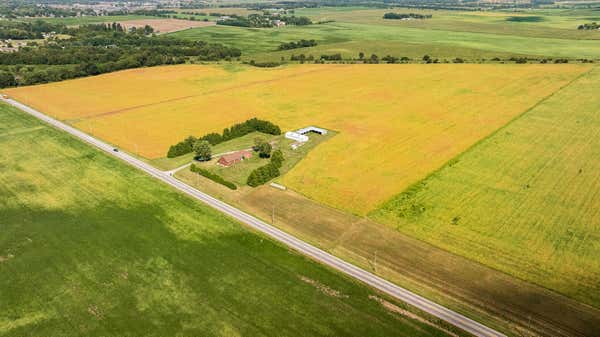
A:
(530, 23)
(92, 247)
(525, 200)
(458, 34)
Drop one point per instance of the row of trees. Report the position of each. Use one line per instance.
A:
(299, 44)
(374, 59)
(96, 49)
(213, 176)
(266, 172)
(400, 16)
(589, 26)
(235, 131)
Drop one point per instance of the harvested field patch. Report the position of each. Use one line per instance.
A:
(391, 307)
(166, 25)
(323, 288)
(396, 123)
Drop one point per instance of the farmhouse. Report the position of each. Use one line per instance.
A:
(232, 158)
(278, 23)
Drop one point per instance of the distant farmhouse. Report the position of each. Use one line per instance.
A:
(278, 23)
(232, 158)
(300, 135)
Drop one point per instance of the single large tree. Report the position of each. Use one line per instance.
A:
(257, 142)
(202, 149)
(264, 150)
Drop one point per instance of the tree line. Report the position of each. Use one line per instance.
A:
(401, 16)
(97, 49)
(213, 176)
(235, 131)
(589, 26)
(375, 59)
(299, 44)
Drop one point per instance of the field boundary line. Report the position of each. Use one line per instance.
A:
(472, 146)
(308, 250)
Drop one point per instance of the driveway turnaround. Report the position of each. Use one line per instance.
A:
(321, 256)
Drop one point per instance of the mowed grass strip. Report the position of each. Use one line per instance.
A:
(396, 123)
(92, 247)
(525, 201)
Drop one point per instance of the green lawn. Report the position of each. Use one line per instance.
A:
(92, 247)
(241, 143)
(525, 200)
(239, 172)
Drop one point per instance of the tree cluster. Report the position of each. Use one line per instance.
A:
(263, 64)
(589, 26)
(213, 176)
(332, 57)
(300, 44)
(296, 20)
(262, 21)
(235, 131)
(17, 30)
(17, 10)
(202, 149)
(266, 172)
(400, 16)
(183, 147)
(252, 20)
(262, 147)
(96, 49)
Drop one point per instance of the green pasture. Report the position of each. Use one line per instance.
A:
(262, 40)
(92, 247)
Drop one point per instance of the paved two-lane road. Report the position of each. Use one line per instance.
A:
(362, 275)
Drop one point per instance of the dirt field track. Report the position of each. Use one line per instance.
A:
(166, 25)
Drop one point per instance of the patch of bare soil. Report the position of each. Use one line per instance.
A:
(323, 288)
(166, 25)
(391, 307)
(92, 309)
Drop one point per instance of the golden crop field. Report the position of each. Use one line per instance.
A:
(396, 123)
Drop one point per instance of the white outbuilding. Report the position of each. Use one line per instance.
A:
(296, 136)
(314, 129)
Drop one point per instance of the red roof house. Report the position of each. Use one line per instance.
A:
(235, 157)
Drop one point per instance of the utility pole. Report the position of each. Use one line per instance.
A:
(273, 215)
(375, 262)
